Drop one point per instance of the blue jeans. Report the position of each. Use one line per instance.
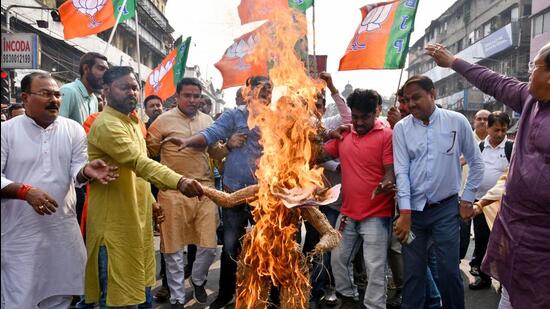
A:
(433, 298)
(441, 224)
(321, 275)
(373, 233)
(235, 221)
(102, 260)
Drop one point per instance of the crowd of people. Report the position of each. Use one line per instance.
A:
(86, 184)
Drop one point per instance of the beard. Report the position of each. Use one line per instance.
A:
(95, 83)
(125, 106)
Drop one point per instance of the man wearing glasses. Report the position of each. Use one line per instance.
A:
(43, 158)
(518, 252)
(427, 149)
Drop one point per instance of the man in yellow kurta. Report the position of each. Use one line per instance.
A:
(196, 222)
(120, 270)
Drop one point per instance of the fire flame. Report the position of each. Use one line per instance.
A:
(270, 253)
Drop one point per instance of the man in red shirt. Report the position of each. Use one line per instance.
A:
(368, 180)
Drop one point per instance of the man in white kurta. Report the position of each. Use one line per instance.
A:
(43, 256)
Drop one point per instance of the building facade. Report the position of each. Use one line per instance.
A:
(540, 25)
(492, 33)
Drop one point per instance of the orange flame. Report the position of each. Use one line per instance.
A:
(270, 251)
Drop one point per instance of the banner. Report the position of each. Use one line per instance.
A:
(382, 39)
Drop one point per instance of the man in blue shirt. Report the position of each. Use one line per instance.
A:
(427, 146)
(240, 166)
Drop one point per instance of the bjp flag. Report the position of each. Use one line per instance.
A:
(382, 39)
(237, 64)
(254, 10)
(81, 18)
(163, 79)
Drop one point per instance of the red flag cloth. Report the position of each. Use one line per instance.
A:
(237, 64)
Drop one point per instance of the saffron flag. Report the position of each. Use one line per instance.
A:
(81, 18)
(163, 79)
(237, 64)
(255, 10)
(382, 39)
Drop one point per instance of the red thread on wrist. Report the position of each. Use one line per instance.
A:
(23, 190)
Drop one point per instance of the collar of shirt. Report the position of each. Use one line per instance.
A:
(378, 125)
(82, 88)
(127, 118)
(185, 116)
(431, 120)
(31, 121)
(488, 143)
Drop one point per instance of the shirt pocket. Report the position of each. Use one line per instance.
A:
(446, 142)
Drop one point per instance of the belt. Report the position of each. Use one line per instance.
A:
(441, 202)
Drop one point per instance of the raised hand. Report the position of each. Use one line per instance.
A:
(393, 116)
(100, 171)
(178, 141)
(41, 201)
(440, 54)
(328, 79)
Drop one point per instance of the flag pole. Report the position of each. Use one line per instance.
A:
(398, 84)
(119, 15)
(139, 60)
(315, 69)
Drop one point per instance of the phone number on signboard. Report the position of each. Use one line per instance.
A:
(14, 58)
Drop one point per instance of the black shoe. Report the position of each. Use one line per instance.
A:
(395, 301)
(199, 293)
(177, 305)
(330, 297)
(187, 270)
(474, 270)
(348, 302)
(162, 295)
(221, 301)
(480, 284)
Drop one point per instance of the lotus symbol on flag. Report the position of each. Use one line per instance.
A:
(158, 74)
(240, 49)
(90, 8)
(373, 21)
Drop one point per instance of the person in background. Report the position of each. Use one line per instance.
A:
(15, 110)
(518, 252)
(120, 269)
(239, 99)
(496, 152)
(153, 108)
(43, 158)
(427, 148)
(206, 105)
(321, 277)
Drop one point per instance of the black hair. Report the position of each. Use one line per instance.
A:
(186, 81)
(320, 96)
(547, 60)
(116, 72)
(365, 100)
(423, 81)
(400, 91)
(498, 117)
(256, 80)
(14, 107)
(89, 60)
(26, 82)
(149, 98)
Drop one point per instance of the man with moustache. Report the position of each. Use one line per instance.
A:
(518, 253)
(119, 237)
(43, 158)
(153, 108)
(240, 166)
(188, 221)
(427, 149)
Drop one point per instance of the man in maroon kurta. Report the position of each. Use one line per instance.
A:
(518, 253)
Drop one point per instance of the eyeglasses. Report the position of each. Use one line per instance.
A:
(47, 94)
(533, 66)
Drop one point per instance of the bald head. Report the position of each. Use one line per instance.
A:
(480, 123)
(539, 80)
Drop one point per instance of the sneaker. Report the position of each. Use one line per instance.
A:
(176, 305)
(474, 271)
(199, 293)
(162, 295)
(330, 297)
(221, 301)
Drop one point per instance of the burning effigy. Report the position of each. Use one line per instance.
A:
(289, 184)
